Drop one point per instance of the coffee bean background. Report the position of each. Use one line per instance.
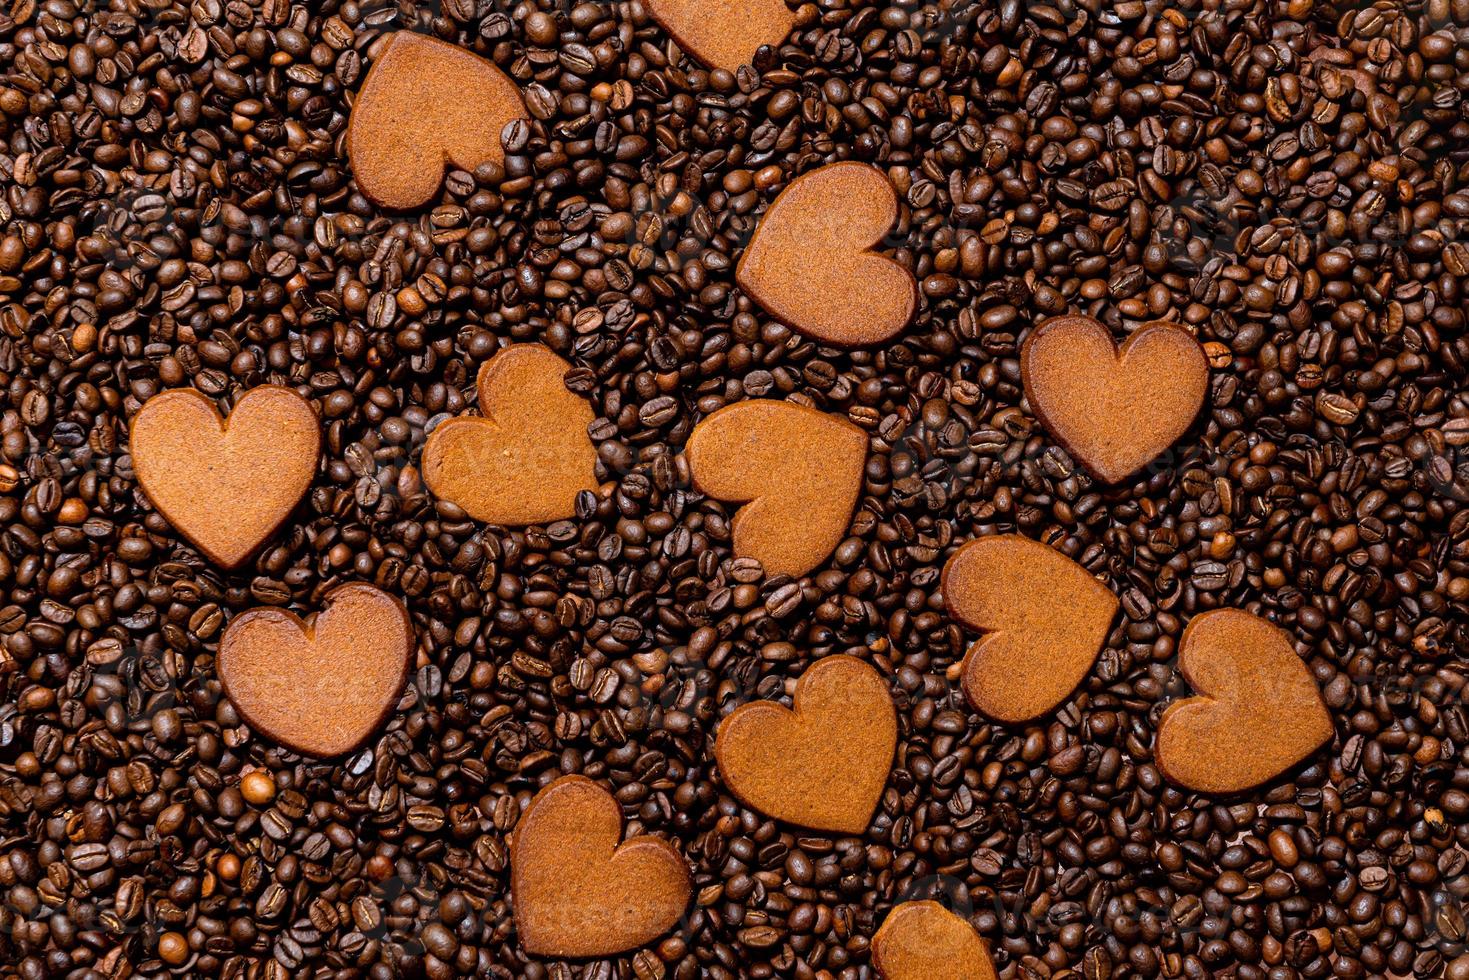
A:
(1287, 178)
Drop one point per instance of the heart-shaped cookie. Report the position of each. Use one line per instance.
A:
(426, 102)
(577, 891)
(810, 264)
(1258, 713)
(321, 688)
(724, 33)
(1115, 410)
(528, 455)
(226, 484)
(800, 470)
(925, 941)
(1045, 619)
(822, 763)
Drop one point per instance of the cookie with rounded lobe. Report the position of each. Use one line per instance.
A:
(1044, 617)
(226, 484)
(823, 762)
(724, 33)
(527, 455)
(321, 688)
(579, 889)
(425, 104)
(812, 265)
(798, 472)
(1116, 409)
(1258, 711)
(925, 941)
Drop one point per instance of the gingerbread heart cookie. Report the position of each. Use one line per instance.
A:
(426, 103)
(1114, 409)
(321, 688)
(821, 763)
(226, 484)
(579, 890)
(528, 455)
(724, 33)
(1045, 619)
(1258, 713)
(925, 941)
(810, 262)
(800, 470)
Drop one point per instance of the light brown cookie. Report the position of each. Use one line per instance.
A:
(810, 262)
(1045, 619)
(578, 892)
(226, 484)
(821, 763)
(800, 470)
(724, 33)
(425, 103)
(925, 941)
(527, 455)
(1258, 713)
(321, 688)
(1115, 410)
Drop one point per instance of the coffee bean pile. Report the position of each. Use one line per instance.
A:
(1288, 178)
